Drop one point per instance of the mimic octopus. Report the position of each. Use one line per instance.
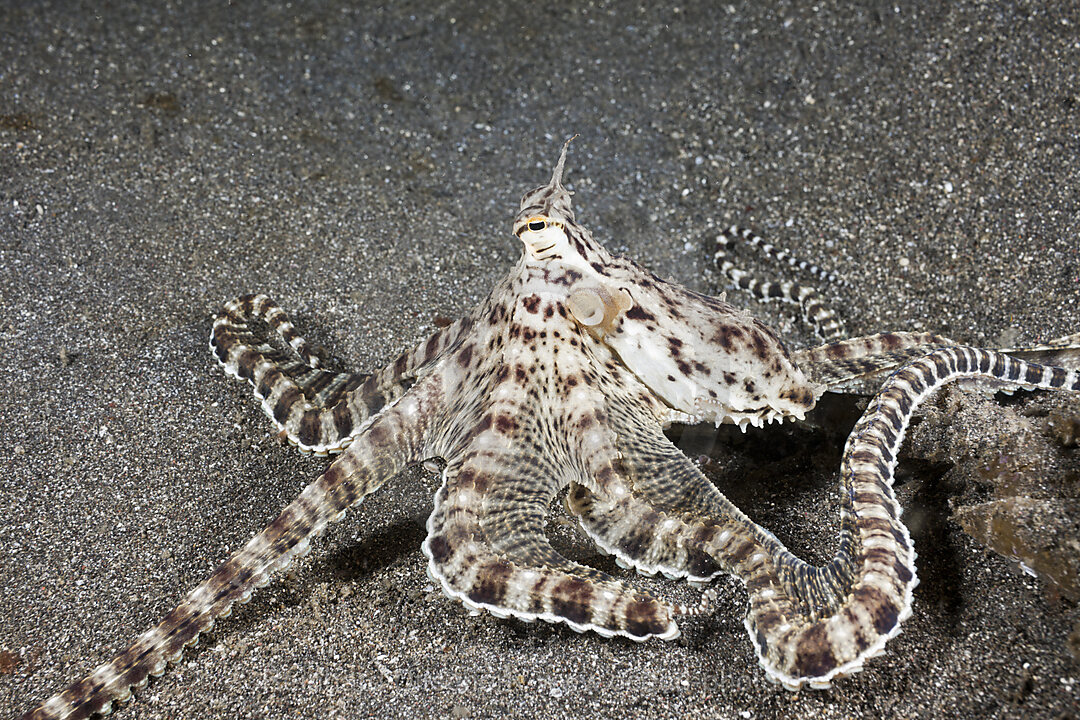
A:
(565, 377)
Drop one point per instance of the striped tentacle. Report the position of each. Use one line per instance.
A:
(1062, 351)
(860, 364)
(388, 445)
(825, 321)
(317, 410)
(486, 548)
(811, 624)
(780, 255)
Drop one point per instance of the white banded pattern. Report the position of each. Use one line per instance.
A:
(825, 321)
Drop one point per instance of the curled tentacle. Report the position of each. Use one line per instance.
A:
(486, 548)
(808, 624)
(779, 254)
(317, 410)
(392, 440)
(812, 624)
(825, 321)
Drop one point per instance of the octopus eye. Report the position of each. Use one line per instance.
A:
(537, 225)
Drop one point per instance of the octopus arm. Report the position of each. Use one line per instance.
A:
(391, 442)
(671, 520)
(861, 365)
(808, 624)
(812, 624)
(486, 547)
(317, 410)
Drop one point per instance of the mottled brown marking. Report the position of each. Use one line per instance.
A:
(815, 656)
(310, 428)
(266, 385)
(284, 404)
(881, 608)
(644, 618)
(639, 313)
(245, 364)
(491, 583)
(889, 341)
(799, 396)
(726, 336)
(759, 346)
(464, 357)
(440, 550)
(572, 599)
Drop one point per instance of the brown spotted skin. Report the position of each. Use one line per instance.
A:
(564, 377)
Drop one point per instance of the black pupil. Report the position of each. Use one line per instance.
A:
(537, 225)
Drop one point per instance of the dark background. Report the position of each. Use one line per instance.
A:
(362, 165)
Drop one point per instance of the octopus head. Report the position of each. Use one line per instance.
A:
(545, 221)
(705, 359)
